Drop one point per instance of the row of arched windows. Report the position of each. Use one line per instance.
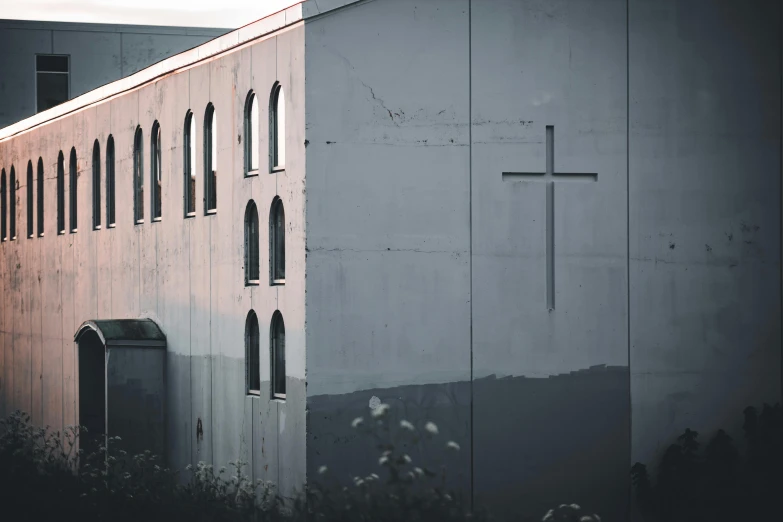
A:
(276, 355)
(276, 243)
(251, 153)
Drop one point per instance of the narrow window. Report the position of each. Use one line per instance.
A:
(277, 349)
(3, 207)
(96, 185)
(12, 216)
(51, 80)
(210, 160)
(277, 128)
(190, 165)
(251, 244)
(252, 355)
(40, 187)
(110, 181)
(277, 242)
(30, 200)
(60, 193)
(155, 172)
(251, 135)
(138, 177)
(74, 176)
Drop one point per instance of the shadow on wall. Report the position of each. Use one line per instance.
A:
(536, 442)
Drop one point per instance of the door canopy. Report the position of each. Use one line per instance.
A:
(143, 333)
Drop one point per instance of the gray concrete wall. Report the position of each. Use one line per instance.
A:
(186, 274)
(99, 54)
(427, 272)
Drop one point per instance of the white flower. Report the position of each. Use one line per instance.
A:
(452, 445)
(358, 421)
(411, 475)
(374, 476)
(359, 482)
(447, 496)
(406, 458)
(418, 471)
(383, 460)
(322, 470)
(380, 411)
(431, 427)
(575, 506)
(406, 425)
(386, 453)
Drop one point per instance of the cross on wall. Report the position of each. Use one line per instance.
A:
(550, 177)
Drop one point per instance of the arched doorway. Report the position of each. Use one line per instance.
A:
(121, 384)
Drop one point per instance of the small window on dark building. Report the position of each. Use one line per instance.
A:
(277, 349)
(96, 185)
(40, 194)
(155, 172)
(30, 229)
(3, 207)
(189, 160)
(138, 177)
(251, 244)
(252, 355)
(12, 204)
(51, 80)
(60, 193)
(277, 242)
(73, 174)
(110, 181)
(210, 160)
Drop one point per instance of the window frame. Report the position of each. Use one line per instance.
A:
(39, 180)
(210, 160)
(252, 242)
(156, 174)
(96, 185)
(274, 138)
(252, 135)
(12, 204)
(277, 242)
(189, 166)
(73, 190)
(60, 194)
(30, 201)
(138, 176)
(276, 332)
(37, 72)
(3, 207)
(252, 356)
(111, 202)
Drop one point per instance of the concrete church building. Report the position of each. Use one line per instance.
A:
(552, 228)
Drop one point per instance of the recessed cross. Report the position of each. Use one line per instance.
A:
(550, 176)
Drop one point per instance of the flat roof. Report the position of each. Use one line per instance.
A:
(89, 27)
(282, 14)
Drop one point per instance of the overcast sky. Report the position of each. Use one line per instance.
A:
(203, 13)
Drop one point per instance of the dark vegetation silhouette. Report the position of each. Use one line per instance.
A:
(719, 482)
(44, 476)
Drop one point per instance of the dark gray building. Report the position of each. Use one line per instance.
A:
(45, 63)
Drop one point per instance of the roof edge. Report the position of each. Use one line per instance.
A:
(252, 31)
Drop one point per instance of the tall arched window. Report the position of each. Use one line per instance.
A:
(40, 194)
(252, 355)
(156, 166)
(277, 128)
(60, 193)
(74, 176)
(30, 200)
(138, 176)
(110, 185)
(277, 242)
(3, 207)
(12, 204)
(96, 185)
(251, 134)
(251, 244)
(277, 355)
(210, 160)
(189, 161)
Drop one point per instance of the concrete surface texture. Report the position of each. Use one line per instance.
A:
(99, 54)
(552, 228)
